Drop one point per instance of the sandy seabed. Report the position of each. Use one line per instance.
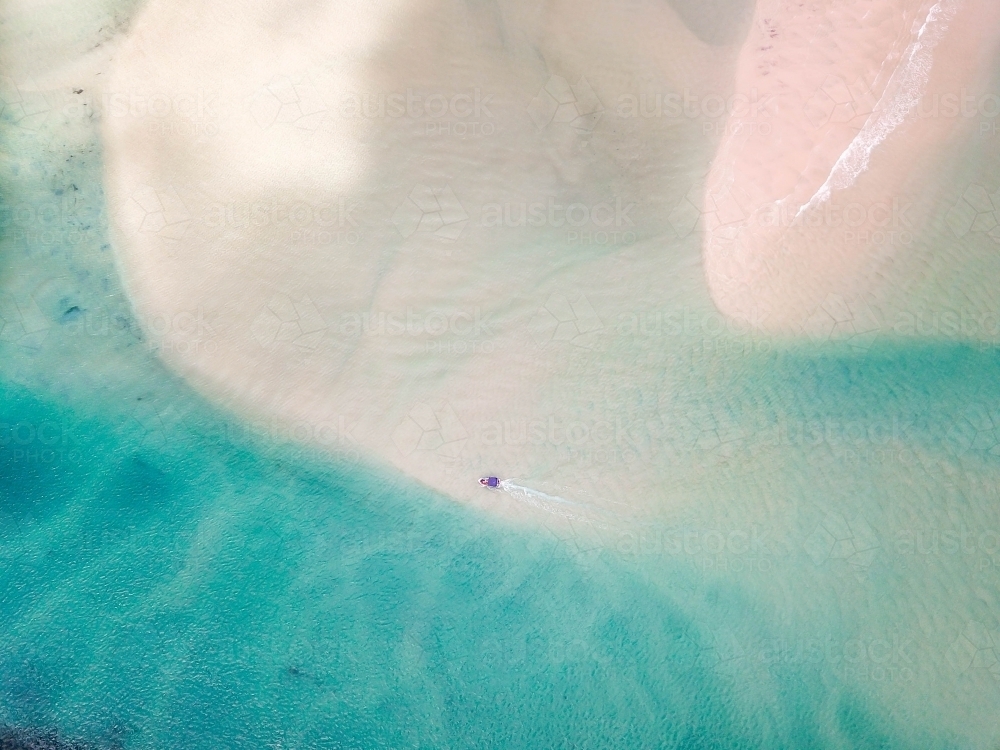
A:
(422, 232)
(569, 247)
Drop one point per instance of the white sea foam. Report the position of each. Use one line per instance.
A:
(553, 504)
(902, 94)
(596, 515)
(532, 496)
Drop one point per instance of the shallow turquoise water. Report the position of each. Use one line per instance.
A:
(220, 596)
(170, 577)
(169, 580)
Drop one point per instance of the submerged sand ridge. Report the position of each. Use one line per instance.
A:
(421, 245)
(505, 276)
(402, 239)
(842, 493)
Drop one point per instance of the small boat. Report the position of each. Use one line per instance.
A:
(489, 481)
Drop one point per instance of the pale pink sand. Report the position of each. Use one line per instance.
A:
(799, 211)
(273, 295)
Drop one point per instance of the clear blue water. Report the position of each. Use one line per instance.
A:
(171, 579)
(217, 595)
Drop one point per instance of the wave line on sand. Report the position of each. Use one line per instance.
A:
(903, 93)
(526, 493)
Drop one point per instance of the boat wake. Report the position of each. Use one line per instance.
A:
(553, 504)
(526, 493)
